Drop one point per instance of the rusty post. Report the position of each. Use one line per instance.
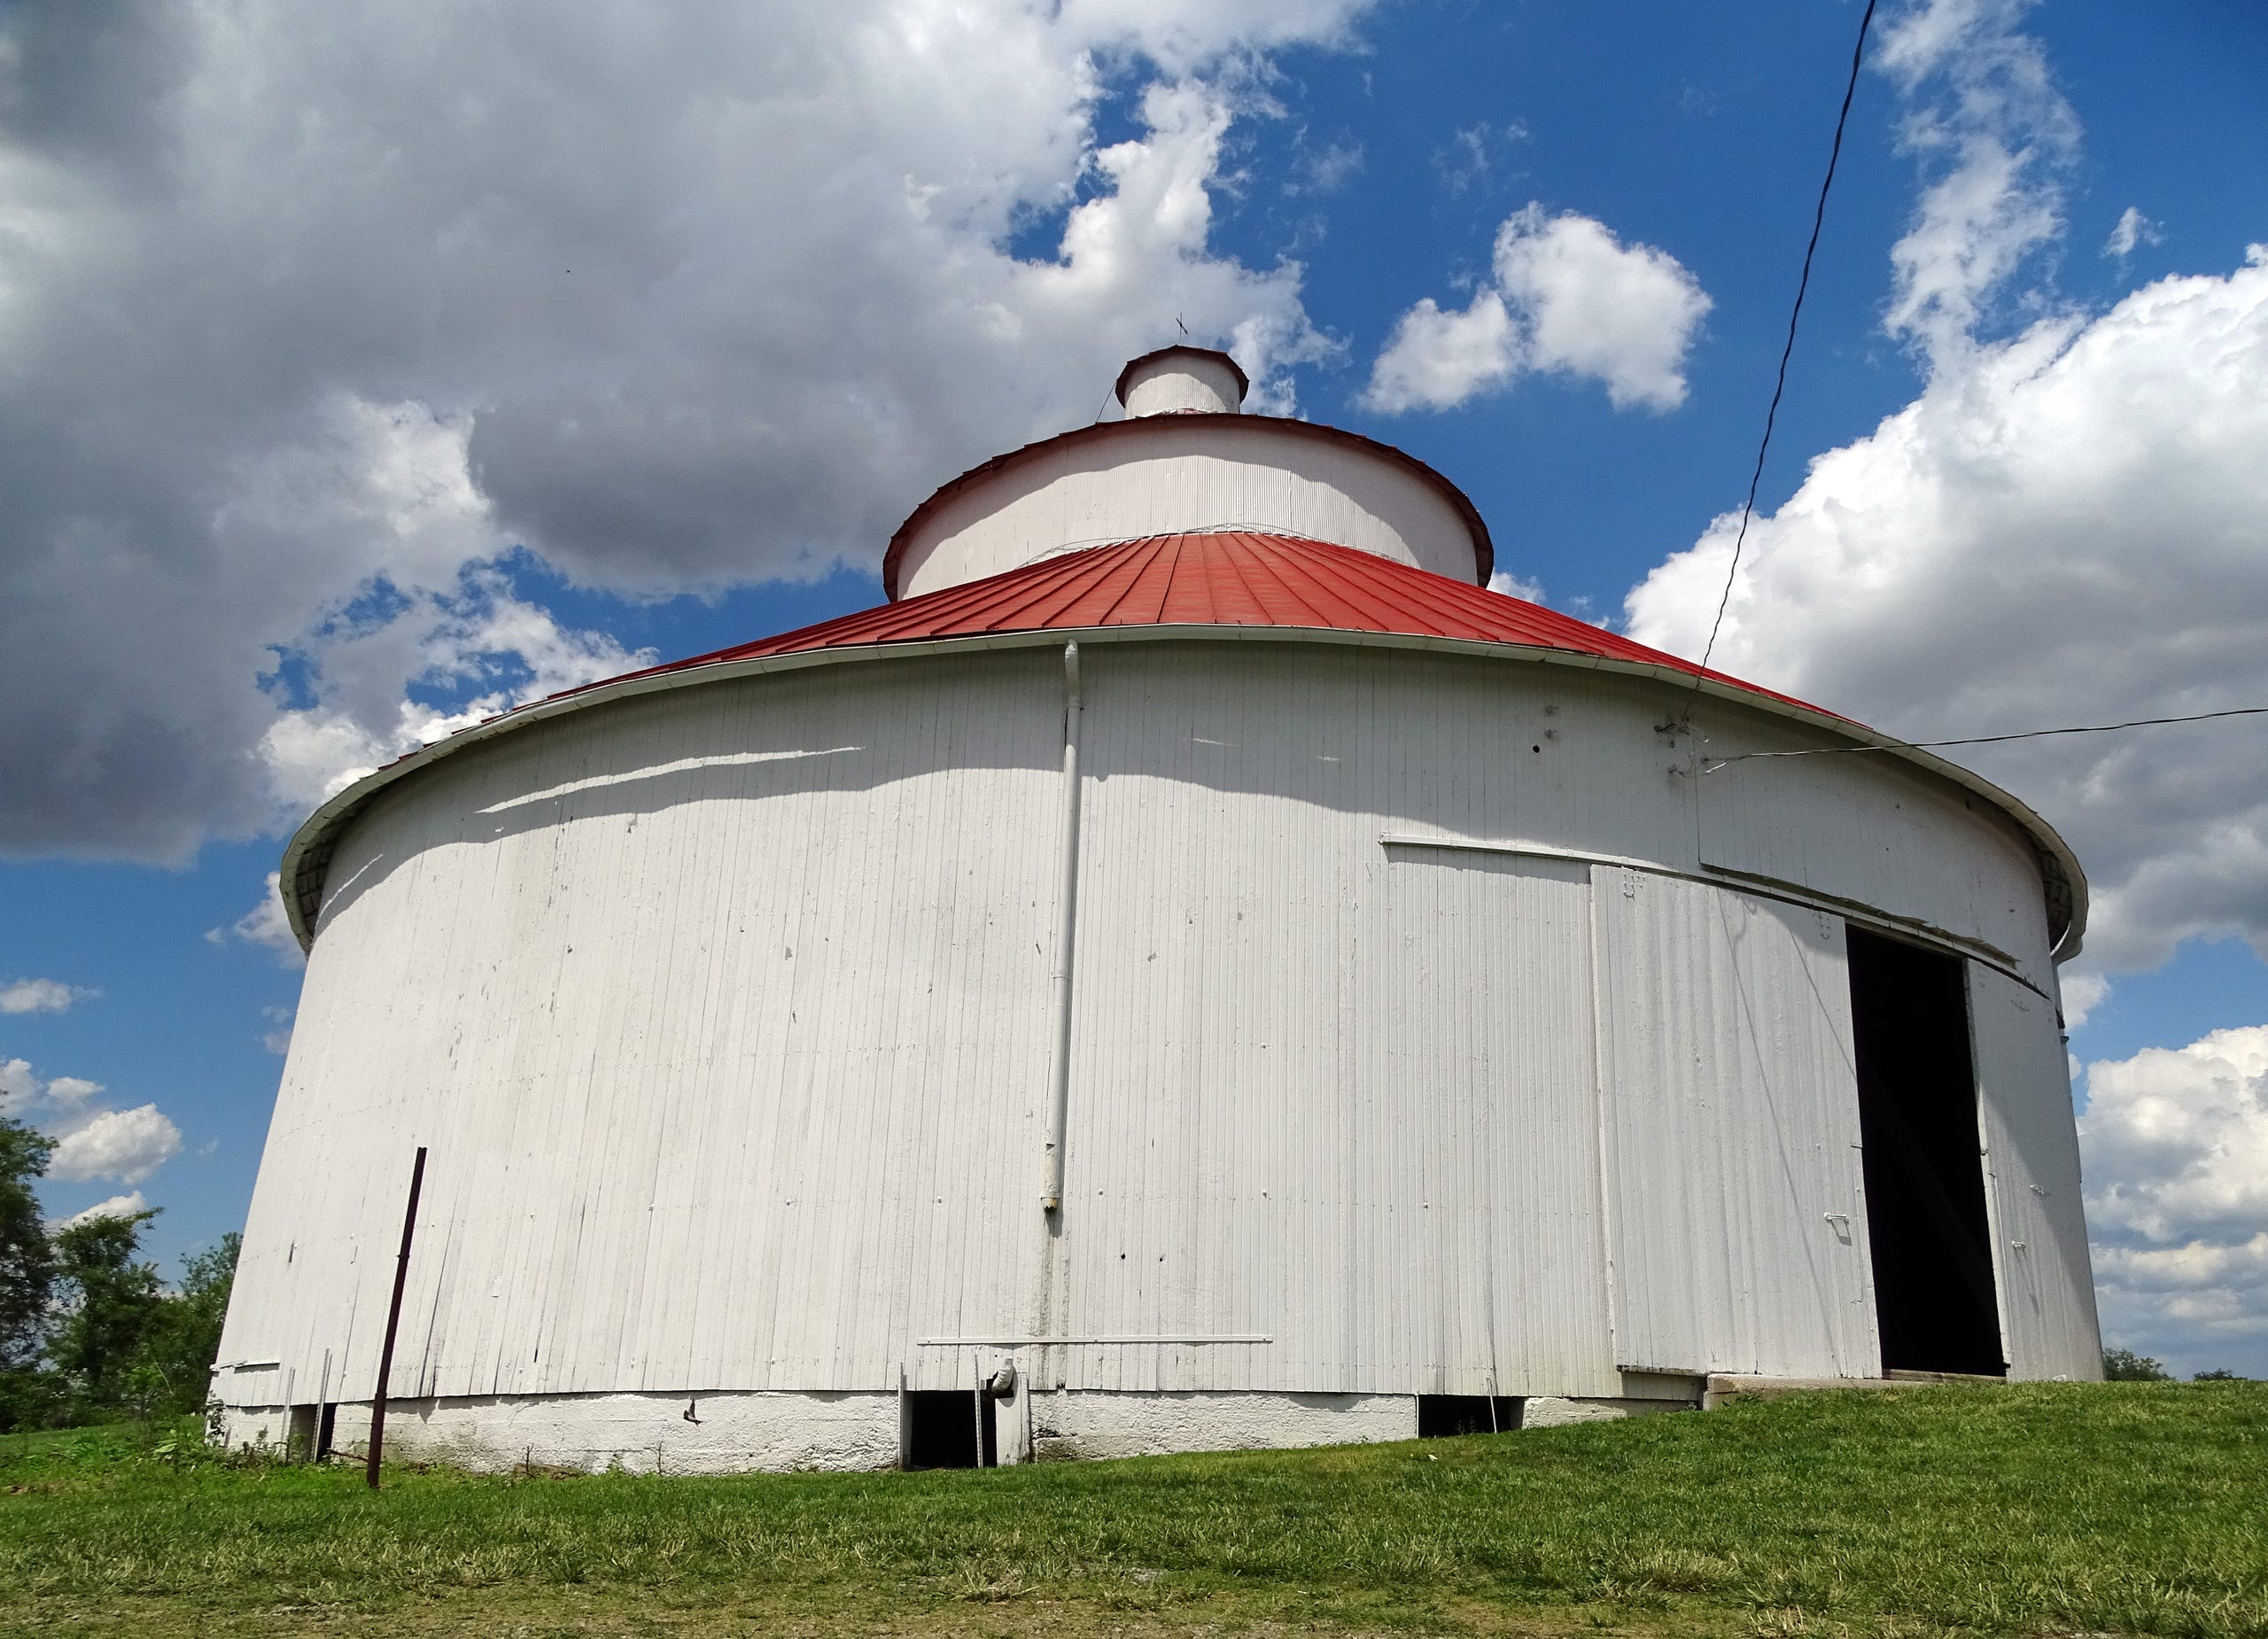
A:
(393, 1319)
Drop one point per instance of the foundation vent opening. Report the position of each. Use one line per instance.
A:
(1442, 1416)
(950, 1428)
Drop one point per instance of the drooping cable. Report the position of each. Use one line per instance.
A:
(2029, 733)
(1780, 384)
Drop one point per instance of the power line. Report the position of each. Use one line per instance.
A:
(2029, 733)
(1780, 385)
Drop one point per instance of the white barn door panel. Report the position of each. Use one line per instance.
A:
(1734, 1174)
(2046, 1280)
(1479, 1042)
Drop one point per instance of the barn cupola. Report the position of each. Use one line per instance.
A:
(1185, 459)
(1181, 379)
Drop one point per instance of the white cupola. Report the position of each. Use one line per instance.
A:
(1187, 459)
(1181, 379)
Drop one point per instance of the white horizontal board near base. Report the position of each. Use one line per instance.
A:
(1732, 1118)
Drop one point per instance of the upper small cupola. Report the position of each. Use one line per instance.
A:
(1185, 459)
(1181, 379)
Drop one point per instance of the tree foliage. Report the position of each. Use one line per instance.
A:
(2124, 1365)
(87, 1330)
(27, 1268)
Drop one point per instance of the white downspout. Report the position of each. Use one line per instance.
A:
(1067, 903)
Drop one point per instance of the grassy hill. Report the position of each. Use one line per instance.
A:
(2042, 1509)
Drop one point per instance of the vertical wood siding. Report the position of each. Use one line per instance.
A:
(1862, 829)
(727, 1044)
(2031, 1163)
(1733, 1120)
(725, 1013)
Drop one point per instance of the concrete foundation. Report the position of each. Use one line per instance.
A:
(779, 1432)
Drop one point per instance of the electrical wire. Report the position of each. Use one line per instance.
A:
(2029, 733)
(1780, 385)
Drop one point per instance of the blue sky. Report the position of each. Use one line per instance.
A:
(554, 346)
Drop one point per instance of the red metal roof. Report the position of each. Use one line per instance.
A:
(1213, 580)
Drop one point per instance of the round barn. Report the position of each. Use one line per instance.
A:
(1195, 969)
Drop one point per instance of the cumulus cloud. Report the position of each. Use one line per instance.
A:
(1437, 358)
(116, 1207)
(2175, 1146)
(675, 297)
(1565, 297)
(41, 996)
(93, 1140)
(2064, 528)
(125, 1144)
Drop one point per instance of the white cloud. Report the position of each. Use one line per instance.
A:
(2176, 1147)
(2062, 529)
(1508, 585)
(676, 298)
(2065, 530)
(2132, 228)
(1621, 315)
(125, 1144)
(1471, 155)
(1568, 298)
(1992, 133)
(2083, 991)
(265, 925)
(115, 1207)
(92, 1140)
(278, 1037)
(1437, 358)
(1327, 169)
(41, 996)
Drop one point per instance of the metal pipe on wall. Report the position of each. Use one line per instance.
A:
(1066, 901)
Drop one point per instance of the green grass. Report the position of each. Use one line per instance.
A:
(2062, 1509)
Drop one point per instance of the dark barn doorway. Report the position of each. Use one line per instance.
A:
(1934, 1295)
(950, 1428)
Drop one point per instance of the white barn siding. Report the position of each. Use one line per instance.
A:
(713, 1049)
(726, 1012)
(2031, 1163)
(1166, 475)
(1333, 1092)
(1861, 828)
(1733, 1133)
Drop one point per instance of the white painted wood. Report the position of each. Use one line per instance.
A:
(1182, 379)
(1167, 474)
(1732, 1121)
(2031, 1164)
(1865, 828)
(725, 1011)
